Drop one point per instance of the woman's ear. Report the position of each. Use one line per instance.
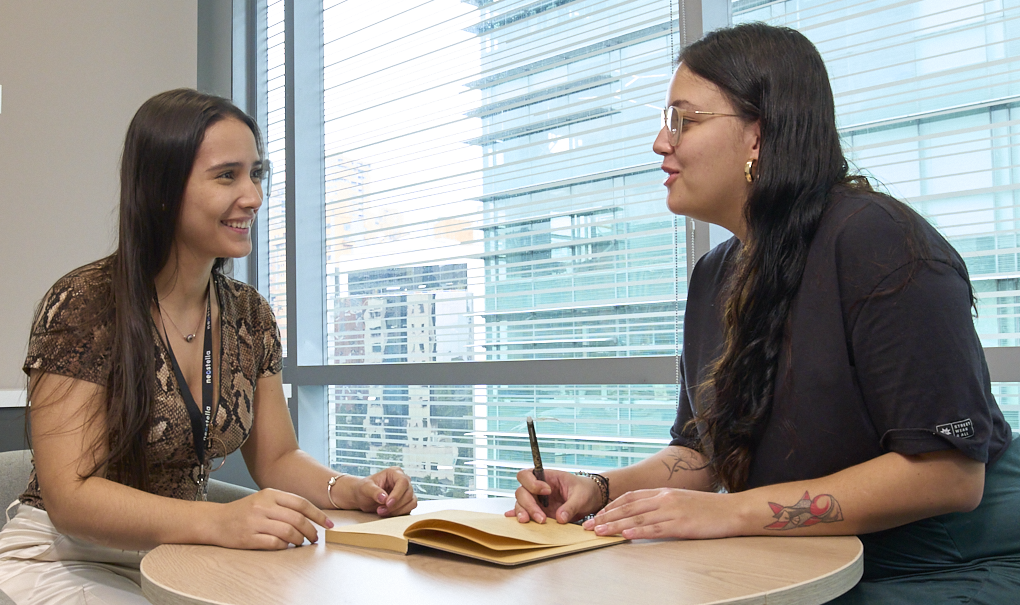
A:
(752, 138)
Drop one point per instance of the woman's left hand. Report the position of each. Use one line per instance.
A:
(667, 513)
(387, 493)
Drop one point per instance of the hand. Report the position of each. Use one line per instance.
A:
(570, 497)
(668, 513)
(387, 493)
(268, 520)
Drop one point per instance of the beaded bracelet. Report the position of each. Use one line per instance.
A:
(600, 481)
(329, 488)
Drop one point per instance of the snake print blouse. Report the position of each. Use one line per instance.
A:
(250, 349)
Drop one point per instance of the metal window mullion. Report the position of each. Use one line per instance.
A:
(305, 211)
(257, 91)
(701, 17)
(659, 369)
(1003, 365)
(244, 92)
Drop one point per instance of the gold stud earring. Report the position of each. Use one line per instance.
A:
(747, 171)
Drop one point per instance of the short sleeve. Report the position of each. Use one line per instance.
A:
(68, 338)
(920, 366)
(272, 349)
(683, 433)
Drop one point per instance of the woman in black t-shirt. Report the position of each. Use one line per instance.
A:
(833, 382)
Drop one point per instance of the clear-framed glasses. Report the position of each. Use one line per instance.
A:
(673, 120)
(266, 179)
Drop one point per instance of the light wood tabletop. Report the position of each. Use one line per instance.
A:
(773, 570)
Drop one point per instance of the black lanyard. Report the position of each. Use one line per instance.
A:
(200, 419)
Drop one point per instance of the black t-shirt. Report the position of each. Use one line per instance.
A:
(884, 353)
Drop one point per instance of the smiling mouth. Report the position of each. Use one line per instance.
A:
(245, 224)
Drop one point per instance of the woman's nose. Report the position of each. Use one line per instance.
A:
(661, 144)
(254, 196)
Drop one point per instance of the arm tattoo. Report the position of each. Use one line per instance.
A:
(677, 462)
(807, 512)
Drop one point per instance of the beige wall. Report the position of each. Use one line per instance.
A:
(73, 73)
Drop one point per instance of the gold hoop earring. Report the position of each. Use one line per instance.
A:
(747, 171)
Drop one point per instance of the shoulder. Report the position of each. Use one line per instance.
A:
(71, 335)
(244, 301)
(253, 327)
(73, 295)
(872, 236)
(714, 265)
(93, 277)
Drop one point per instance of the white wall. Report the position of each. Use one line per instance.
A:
(73, 73)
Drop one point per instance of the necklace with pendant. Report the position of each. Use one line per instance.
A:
(186, 337)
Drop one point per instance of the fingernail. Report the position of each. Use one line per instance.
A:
(522, 517)
(588, 524)
(382, 510)
(600, 529)
(540, 518)
(391, 502)
(381, 497)
(564, 517)
(329, 524)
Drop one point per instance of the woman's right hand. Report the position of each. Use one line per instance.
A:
(268, 520)
(570, 497)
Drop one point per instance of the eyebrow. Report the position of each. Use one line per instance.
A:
(679, 102)
(224, 165)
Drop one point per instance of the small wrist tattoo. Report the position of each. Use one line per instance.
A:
(806, 512)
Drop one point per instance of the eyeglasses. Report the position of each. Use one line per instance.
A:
(266, 178)
(673, 120)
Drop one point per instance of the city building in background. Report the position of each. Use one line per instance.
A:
(391, 315)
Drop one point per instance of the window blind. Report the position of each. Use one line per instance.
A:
(491, 195)
(274, 285)
(490, 187)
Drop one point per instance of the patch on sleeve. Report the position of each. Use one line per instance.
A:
(963, 429)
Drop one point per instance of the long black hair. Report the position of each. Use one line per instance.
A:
(775, 76)
(159, 152)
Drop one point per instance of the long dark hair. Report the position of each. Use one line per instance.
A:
(159, 152)
(773, 75)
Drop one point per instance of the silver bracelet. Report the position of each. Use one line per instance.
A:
(601, 482)
(329, 488)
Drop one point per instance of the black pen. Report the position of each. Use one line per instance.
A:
(539, 472)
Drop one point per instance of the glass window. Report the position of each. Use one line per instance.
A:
(486, 197)
(489, 195)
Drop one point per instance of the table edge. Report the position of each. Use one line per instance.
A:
(158, 594)
(845, 577)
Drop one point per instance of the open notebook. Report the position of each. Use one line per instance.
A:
(486, 536)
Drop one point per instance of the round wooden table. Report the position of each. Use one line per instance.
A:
(769, 570)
